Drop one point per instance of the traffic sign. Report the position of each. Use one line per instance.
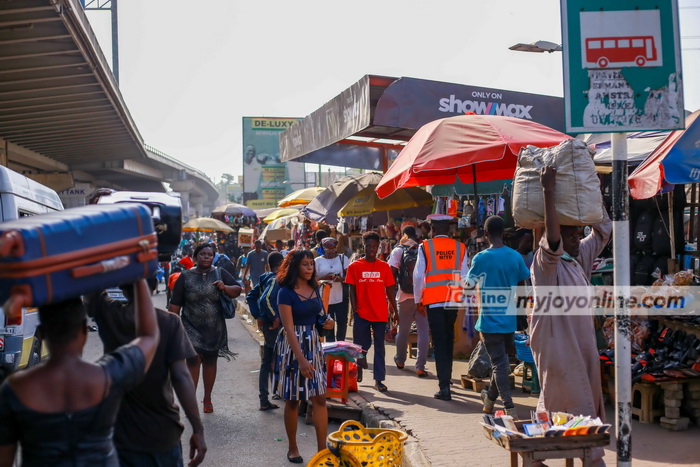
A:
(622, 66)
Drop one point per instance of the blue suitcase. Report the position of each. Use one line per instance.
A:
(52, 257)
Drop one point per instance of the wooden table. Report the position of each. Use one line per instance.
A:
(538, 449)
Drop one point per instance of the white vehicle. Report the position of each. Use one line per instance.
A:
(20, 346)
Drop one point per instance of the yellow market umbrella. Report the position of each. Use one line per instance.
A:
(366, 201)
(280, 213)
(205, 224)
(301, 197)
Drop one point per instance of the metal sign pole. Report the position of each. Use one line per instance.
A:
(621, 253)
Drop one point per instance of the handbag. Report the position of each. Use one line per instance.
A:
(321, 318)
(228, 308)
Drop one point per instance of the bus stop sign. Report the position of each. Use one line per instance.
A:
(622, 66)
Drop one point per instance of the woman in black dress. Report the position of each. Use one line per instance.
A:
(300, 368)
(196, 294)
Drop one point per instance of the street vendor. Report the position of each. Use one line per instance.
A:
(563, 342)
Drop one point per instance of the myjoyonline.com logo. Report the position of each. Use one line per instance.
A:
(454, 105)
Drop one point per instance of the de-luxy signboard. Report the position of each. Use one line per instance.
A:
(622, 67)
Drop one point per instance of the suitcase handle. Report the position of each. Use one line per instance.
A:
(11, 244)
(114, 264)
(20, 296)
(107, 265)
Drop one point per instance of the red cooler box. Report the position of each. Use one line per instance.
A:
(52, 257)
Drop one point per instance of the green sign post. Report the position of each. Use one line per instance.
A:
(622, 66)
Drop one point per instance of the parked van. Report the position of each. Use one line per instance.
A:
(20, 346)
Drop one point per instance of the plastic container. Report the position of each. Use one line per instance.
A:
(522, 349)
(379, 447)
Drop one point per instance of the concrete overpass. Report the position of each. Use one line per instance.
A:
(63, 120)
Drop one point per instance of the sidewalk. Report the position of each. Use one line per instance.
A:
(449, 432)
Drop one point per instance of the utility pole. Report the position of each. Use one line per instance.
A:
(111, 6)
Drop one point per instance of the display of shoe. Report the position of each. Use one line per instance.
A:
(443, 394)
(488, 403)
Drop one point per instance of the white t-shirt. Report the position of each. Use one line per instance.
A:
(395, 262)
(337, 265)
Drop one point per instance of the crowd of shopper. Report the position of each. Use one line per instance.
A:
(63, 411)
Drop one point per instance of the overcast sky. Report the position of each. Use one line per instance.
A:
(189, 71)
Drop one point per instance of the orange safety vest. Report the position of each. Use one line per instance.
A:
(444, 258)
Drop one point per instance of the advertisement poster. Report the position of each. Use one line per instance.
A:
(266, 180)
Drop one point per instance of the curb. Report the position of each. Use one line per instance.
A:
(371, 416)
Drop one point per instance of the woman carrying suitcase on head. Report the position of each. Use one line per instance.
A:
(63, 411)
(196, 294)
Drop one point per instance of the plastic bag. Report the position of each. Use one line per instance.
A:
(479, 365)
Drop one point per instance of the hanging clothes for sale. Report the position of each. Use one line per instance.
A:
(481, 212)
(452, 207)
(490, 206)
(501, 206)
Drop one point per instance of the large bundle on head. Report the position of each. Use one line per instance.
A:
(578, 197)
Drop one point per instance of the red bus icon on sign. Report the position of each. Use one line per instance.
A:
(637, 50)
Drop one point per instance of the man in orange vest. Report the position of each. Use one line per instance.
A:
(437, 289)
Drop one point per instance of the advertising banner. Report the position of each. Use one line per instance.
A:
(403, 107)
(622, 66)
(266, 179)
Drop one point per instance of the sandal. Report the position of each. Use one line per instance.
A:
(381, 387)
(268, 406)
(208, 407)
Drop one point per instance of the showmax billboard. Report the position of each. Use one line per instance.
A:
(266, 179)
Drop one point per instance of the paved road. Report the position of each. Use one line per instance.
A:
(237, 434)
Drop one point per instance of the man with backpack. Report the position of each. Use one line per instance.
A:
(402, 261)
(262, 301)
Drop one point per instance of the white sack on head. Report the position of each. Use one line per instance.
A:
(577, 193)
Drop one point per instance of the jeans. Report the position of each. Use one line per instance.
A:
(170, 458)
(496, 345)
(266, 363)
(408, 313)
(339, 313)
(362, 335)
(442, 328)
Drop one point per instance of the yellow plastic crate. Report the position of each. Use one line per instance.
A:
(380, 447)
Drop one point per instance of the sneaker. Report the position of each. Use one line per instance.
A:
(513, 412)
(488, 403)
(443, 394)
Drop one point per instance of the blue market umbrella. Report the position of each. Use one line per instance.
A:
(676, 160)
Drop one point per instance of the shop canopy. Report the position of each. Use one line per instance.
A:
(367, 125)
(676, 160)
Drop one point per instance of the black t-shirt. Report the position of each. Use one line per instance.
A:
(149, 419)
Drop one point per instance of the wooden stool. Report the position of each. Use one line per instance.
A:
(643, 406)
(341, 392)
(412, 341)
(531, 382)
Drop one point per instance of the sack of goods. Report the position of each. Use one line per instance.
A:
(578, 197)
(53, 257)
